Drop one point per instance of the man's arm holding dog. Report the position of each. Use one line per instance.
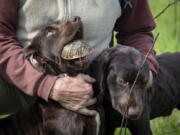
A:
(15, 69)
(134, 29)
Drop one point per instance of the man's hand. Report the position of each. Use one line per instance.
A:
(74, 93)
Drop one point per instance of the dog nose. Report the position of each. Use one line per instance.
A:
(134, 113)
(76, 19)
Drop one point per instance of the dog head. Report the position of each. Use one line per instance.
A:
(44, 52)
(120, 68)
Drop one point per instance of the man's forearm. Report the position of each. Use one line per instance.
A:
(13, 67)
(134, 29)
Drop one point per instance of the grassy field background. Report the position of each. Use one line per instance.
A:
(168, 25)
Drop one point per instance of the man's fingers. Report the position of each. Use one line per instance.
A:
(88, 86)
(87, 78)
(87, 112)
(90, 102)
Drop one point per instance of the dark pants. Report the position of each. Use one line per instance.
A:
(12, 99)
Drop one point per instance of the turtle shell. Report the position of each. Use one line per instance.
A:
(76, 49)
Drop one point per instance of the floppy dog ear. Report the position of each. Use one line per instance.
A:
(98, 70)
(33, 48)
(30, 53)
(30, 50)
(150, 80)
(138, 59)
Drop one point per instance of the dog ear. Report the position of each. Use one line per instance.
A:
(150, 80)
(98, 70)
(30, 53)
(138, 59)
(30, 50)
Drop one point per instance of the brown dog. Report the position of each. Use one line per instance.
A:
(143, 100)
(47, 45)
(50, 118)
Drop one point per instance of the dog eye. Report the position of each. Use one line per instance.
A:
(50, 31)
(120, 81)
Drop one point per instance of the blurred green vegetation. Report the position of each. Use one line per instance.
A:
(162, 126)
(4, 116)
(168, 25)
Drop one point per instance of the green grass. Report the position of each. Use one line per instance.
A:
(163, 125)
(167, 125)
(168, 25)
(4, 116)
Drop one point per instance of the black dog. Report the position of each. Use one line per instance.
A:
(50, 118)
(147, 100)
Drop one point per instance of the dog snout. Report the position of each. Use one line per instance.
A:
(134, 113)
(75, 19)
